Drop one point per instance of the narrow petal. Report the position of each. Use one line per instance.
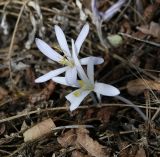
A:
(96, 60)
(81, 37)
(96, 14)
(50, 74)
(94, 7)
(105, 89)
(80, 70)
(47, 50)
(71, 76)
(62, 41)
(113, 10)
(90, 71)
(62, 80)
(76, 97)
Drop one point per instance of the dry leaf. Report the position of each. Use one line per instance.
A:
(67, 139)
(136, 87)
(149, 12)
(80, 138)
(153, 29)
(92, 147)
(39, 130)
(141, 153)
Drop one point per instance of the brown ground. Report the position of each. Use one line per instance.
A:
(113, 128)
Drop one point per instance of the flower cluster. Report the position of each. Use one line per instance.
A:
(75, 75)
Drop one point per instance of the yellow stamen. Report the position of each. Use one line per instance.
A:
(63, 61)
(86, 86)
(67, 62)
(70, 63)
(81, 83)
(77, 93)
(83, 86)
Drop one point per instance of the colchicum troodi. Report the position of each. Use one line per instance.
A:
(73, 67)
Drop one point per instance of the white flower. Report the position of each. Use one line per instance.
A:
(86, 84)
(67, 59)
(99, 16)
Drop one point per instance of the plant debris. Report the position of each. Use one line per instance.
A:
(39, 130)
(35, 118)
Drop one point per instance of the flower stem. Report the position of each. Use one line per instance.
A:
(134, 106)
(93, 98)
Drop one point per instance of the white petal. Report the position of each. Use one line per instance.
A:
(106, 89)
(62, 41)
(62, 80)
(96, 60)
(47, 50)
(81, 37)
(90, 71)
(113, 10)
(71, 76)
(50, 74)
(94, 8)
(80, 70)
(96, 14)
(76, 100)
